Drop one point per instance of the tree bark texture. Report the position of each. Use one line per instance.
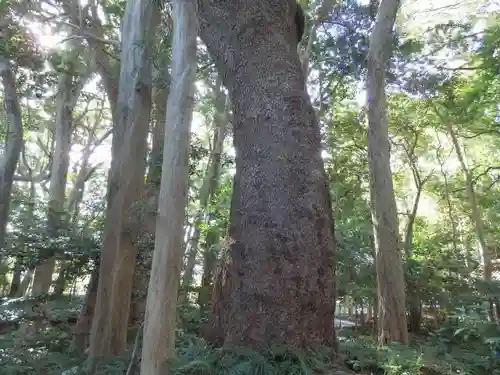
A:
(13, 144)
(390, 276)
(277, 285)
(152, 192)
(161, 307)
(110, 321)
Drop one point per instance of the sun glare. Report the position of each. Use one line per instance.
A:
(44, 35)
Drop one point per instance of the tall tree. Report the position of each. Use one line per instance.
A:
(277, 285)
(110, 321)
(390, 276)
(13, 143)
(68, 91)
(161, 79)
(209, 184)
(160, 321)
(476, 214)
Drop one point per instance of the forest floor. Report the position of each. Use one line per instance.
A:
(458, 349)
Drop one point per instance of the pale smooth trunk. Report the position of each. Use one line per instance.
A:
(390, 276)
(323, 14)
(141, 275)
(16, 279)
(66, 100)
(25, 284)
(476, 214)
(160, 320)
(208, 186)
(449, 204)
(13, 144)
(414, 300)
(126, 182)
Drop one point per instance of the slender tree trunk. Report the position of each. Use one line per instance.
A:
(60, 283)
(414, 299)
(143, 269)
(451, 216)
(323, 13)
(75, 196)
(66, 100)
(369, 312)
(110, 321)
(25, 284)
(15, 284)
(13, 144)
(390, 276)
(82, 328)
(476, 215)
(208, 187)
(277, 285)
(160, 321)
(207, 279)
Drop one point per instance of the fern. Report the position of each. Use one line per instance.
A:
(195, 357)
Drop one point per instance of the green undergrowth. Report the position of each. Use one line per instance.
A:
(49, 354)
(463, 346)
(433, 354)
(195, 357)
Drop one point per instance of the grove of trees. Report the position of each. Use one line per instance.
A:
(250, 187)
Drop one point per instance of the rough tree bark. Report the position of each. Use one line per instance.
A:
(110, 321)
(13, 144)
(277, 286)
(160, 319)
(390, 276)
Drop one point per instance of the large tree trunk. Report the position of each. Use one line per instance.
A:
(279, 285)
(67, 97)
(208, 187)
(13, 144)
(160, 320)
(110, 321)
(390, 276)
